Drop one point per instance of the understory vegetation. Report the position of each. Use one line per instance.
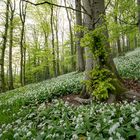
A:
(128, 66)
(35, 112)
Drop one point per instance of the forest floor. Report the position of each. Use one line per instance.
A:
(42, 111)
(132, 85)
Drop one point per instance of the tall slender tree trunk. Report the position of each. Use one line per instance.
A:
(57, 45)
(135, 41)
(47, 70)
(62, 56)
(128, 43)
(116, 21)
(10, 47)
(138, 3)
(2, 74)
(53, 46)
(23, 8)
(71, 39)
(123, 43)
(80, 50)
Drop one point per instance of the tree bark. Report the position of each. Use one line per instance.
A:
(123, 43)
(53, 46)
(57, 45)
(88, 22)
(12, 7)
(71, 39)
(62, 58)
(47, 70)
(138, 3)
(80, 50)
(98, 8)
(2, 74)
(135, 41)
(23, 11)
(128, 43)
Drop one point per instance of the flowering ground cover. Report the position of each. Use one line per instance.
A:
(129, 65)
(26, 115)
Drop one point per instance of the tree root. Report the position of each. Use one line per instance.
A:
(130, 96)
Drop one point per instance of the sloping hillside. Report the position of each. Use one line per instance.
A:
(25, 113)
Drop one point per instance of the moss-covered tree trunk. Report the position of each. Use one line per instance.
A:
(97, 13)
(80, 51)
(89, 64)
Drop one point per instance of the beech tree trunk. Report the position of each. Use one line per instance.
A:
(128, 43)
(123, 43)
(80, 50)
(53, 47)
(88, 22)
(138, 3)
(135, 41)
(62, 57)
(118, 39)
(23, 8)
(47, 70)
(98, 8)
(3, 47)
(71, 39)
(57, 45)
(10, 84)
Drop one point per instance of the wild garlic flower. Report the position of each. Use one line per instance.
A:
(74, 137)
(135, 120)
(137, 127)
(121, 119)
(29, 134)
(113, 128)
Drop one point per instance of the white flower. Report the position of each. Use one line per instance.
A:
(112, 114)
(49, 136)
(132, 115)
(3, 125)
(88, 138)
(77, 126)
(110, 138)
(42, 106)
(133, 109)
(74, 137)
(138, 113)
(121, 119)
(18, 121)
(113, 128)
(64, 124)
(31, 115)
(118, 135)
(30, 124)
(98, 126)
(135, 120)
(24, 129)
(29, 134)
(42, 133)
(50, 127)
(16, 135)
(110, 121)
(104, 120)
(121, 138)
(137, 127)
(61, 121)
